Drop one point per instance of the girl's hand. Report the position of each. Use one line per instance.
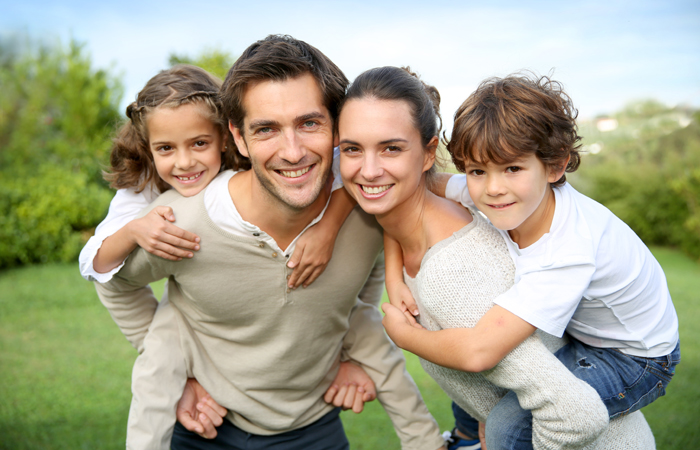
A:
(351, 388)
(198, 412)
(155, 233)
(311, 255)
(400, 297)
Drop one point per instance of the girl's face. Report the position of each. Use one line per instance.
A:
(186, 147)
(382, 159)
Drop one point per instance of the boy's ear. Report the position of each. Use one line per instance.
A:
(238, 139)
(556, 172)
(430, 152)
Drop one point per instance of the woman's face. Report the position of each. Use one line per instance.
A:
(382, 159)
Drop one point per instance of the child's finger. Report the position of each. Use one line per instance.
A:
(209, 428)
(315, 274)
(411, 305)
(189, 237)
(299, 275)
(167, 251)
(340, 396)
(166, 212)
(213, 416)
(220, 410)
(349, 399)
(175, 241)
(359, 403)
(410, 317)
(330, 393)
(189, 423)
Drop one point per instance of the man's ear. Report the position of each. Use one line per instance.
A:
(336, 139)
(429, 154)
(556, 172)
(238, 139)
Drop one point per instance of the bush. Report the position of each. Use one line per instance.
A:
(56, 117)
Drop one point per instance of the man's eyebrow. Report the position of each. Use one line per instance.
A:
(262, 123)
(309, 116)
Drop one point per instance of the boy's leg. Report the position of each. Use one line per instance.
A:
(625, 383)
(327, 433)
(464, 423)
(509, 426)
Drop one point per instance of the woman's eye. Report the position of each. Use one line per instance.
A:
(393, 149)
(349, 149)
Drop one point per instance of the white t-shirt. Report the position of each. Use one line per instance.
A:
(127, 204)
(590, 276)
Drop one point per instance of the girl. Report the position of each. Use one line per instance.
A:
(176, 138)
(577, 267)
(455, 263)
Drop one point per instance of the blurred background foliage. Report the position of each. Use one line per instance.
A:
(57, 116)
(58, 113)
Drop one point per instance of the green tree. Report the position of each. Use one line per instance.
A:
(215, 61)
(56, 116)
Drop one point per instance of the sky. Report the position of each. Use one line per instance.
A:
(606, 53)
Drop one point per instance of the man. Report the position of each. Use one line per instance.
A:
(263, 351)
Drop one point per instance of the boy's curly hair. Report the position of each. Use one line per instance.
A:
(508, 118)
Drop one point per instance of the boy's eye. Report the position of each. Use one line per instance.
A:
(513, 169)
(476, 172)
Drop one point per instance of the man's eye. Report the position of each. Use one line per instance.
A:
(264, 130)
(309, 124)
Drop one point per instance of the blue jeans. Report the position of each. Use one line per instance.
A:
(465, 423)
(327, 433)
(625, 383)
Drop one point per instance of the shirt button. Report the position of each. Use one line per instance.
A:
(274, 254)
(288, 290)
(261, 245)
(256, 234)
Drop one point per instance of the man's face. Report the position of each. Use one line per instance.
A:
(288, 135)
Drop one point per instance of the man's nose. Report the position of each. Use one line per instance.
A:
(293, 149)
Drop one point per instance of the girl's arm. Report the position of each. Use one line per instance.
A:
(153, 232)
(476, 349)
(399, 294)
(314, 248)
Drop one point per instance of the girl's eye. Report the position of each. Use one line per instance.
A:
(513, 169)
(164, 148)
(200, 143)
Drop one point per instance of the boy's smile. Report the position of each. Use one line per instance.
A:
(516, 197)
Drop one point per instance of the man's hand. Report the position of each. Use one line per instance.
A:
(351, 388)
(198, 412)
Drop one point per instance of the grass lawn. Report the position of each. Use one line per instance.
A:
(65, 368)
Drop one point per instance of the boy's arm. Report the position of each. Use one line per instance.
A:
(438, 184)
(314, 248)
(476, 349)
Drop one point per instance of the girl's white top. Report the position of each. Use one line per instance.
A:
(127, 204)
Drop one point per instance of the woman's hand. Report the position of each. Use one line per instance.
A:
(155, 233)
(198, 412)
(351, 388)
(397, 324)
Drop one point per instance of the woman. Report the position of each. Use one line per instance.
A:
(455, 262)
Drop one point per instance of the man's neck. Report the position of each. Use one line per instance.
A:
(280, 221)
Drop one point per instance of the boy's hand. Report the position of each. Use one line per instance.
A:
(397, 323)
(400, 297)
(311, 256)
(351, 388)
(155, 233)
(198, 412)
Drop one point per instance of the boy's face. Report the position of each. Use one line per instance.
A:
(516, 196)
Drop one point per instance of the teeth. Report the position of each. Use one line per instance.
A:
(375, 189)
(189, 178)
(295, 173)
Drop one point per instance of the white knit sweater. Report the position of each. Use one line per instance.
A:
(457, 282)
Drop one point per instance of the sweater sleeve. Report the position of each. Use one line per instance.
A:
(367, 344)
(129, 299)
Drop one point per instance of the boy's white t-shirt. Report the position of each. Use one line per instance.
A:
(127, 204)
(590, 276)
